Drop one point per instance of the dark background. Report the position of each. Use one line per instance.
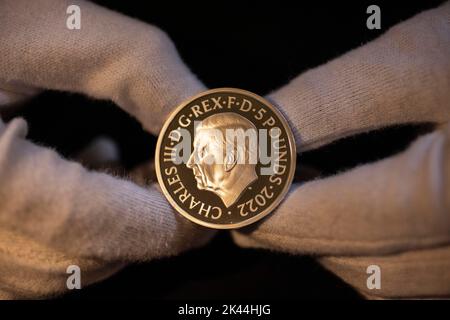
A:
(257, 46)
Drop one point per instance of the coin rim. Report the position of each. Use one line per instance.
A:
(266, 211)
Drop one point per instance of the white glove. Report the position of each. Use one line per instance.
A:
(394, 213)
(53, 212)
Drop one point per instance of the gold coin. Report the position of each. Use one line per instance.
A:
(225, 158)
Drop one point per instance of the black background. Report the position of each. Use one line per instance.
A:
(257, 46)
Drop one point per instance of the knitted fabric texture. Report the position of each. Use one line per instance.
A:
(394, 213)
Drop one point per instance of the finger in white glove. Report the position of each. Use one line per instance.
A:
(54, 211)
(401, 77)
(111, 57)
(390, 207)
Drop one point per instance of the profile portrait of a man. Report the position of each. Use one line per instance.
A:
(225, 155)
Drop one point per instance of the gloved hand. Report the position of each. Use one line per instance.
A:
(395, 79)
(394, 213)
(53, 212)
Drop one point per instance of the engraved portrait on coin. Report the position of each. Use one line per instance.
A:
(225, 158)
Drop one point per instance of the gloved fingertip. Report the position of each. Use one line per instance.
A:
(17, 127)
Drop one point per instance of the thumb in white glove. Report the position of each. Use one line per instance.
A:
(394, 213)
(54, 211)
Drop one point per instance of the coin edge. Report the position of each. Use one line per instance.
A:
(265, 212)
